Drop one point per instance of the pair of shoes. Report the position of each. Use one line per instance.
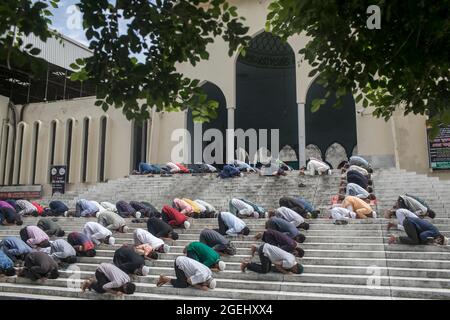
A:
(301, 185)
(341, 222)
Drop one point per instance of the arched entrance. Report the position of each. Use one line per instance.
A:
(140, 142)
(330, 127)
(214, 93)
(266, 91)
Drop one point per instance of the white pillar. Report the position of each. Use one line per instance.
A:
(230, 116)
(230, 135)
(301, 134)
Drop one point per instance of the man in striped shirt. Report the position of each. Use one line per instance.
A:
(109, 279)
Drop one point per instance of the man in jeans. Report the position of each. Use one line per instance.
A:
(268, 254)
(419, 231)
(84, 208)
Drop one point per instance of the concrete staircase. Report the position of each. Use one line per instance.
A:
(265, 191)
(341, 262)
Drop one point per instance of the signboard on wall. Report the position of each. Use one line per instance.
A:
(58, 179)
(439, 150)
(21, 192)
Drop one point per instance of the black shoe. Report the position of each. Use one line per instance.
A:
(315, 214)
(341, 222)
(301, 185)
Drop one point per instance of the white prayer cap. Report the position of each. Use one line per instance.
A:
(187, 225)
(212, 284)
(256, 215)
(353, 215)
(112, 241)
(374, 214)
(445, 241)
(166, 248)
(138, 215)
(97, 214)
(145, 270)
(222, 265)
(125, 229)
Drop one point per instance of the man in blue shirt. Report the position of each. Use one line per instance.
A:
(285, 227)
(14, 248)
(6, 265)
(57, 208)
(85, 208)
(419, 231)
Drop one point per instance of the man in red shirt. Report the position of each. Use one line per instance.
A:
(175, 218)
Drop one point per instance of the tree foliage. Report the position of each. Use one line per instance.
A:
(164, 34)
(405, 63)
(19, 18)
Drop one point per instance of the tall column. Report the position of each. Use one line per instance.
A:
(230, 135)
(301, 134)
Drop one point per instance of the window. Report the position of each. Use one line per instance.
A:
(21, 131)
(102, 151)
(5, 152)
(68, 151)
(36, 128)
(85, 149)
(52, 146)
(140, 139)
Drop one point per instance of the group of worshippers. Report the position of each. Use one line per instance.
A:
(410, 212)
(235, 168)
(38, 252)
(172, 168)
(355, 192)
(12, 211)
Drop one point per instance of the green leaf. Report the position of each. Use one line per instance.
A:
(34, 51)
(316, 104)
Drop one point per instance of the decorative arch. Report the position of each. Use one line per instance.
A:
(288, 154)
(263, 156)
(335, 154)
(266, 93)
(329, 125)
(313, 151)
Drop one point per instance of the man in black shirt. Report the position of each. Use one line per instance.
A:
(127, 260)
(161, 229)
(39, 265)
